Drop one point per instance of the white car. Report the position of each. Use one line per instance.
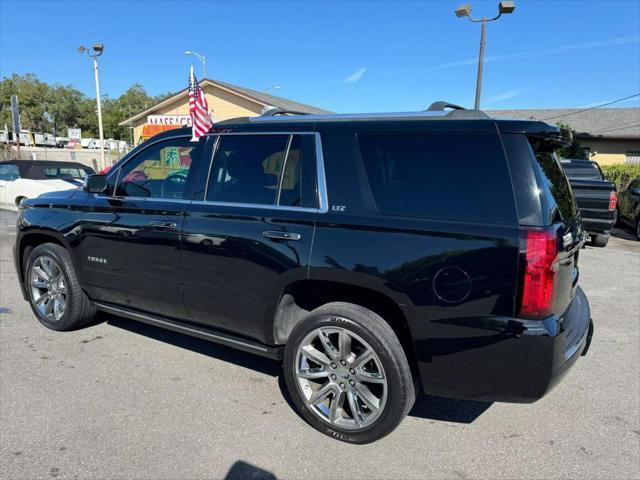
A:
(21, 179)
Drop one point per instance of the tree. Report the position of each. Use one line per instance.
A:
(45, 108)
(574, 150)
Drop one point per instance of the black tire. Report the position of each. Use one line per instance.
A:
(638, 229)
(79, 310)
(600, 240)
(400, 386)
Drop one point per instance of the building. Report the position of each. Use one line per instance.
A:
(224, 99)
(608, 135)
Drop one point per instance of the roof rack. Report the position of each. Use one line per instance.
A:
(273, 111)
(456, 111)
(440, 106)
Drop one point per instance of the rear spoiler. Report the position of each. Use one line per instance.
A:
(543, 135)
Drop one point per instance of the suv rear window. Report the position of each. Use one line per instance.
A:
(450, 176)
(558, 184)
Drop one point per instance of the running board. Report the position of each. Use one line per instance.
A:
(217, 337)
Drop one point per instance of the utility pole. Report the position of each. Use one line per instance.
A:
(15, 116)
(98, 49)
(465, 11)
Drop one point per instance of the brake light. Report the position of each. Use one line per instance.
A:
(538, 286)
(613, 200)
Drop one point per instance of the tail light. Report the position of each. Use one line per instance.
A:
(539, 276)
(613, 200)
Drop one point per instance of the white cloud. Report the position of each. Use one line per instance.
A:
(356, 76)
(504, 96)
(526, 54)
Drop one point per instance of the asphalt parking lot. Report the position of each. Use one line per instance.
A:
(126, 400)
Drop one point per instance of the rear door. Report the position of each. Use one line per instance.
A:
(252, 230)
(130, 236)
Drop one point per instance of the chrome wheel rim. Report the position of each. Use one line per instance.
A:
(341, 378)
(48, 288)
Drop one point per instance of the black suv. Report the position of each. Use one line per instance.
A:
(370, 253)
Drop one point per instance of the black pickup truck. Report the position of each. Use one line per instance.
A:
(596, 198)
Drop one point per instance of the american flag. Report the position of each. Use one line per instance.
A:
(198, 109)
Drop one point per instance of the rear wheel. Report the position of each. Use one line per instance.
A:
(348, 374)
(600, 240)
(55, 295)
(638, 229)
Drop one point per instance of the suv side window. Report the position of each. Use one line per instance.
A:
(450, 176)
(159, 171)
(249, 169)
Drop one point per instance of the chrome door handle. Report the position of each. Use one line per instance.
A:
(277, 235)
(163, 225)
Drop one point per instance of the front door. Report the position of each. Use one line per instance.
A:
(252, 233)
(130, 236)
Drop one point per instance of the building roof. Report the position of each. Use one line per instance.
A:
(259, 97)
(620, 123)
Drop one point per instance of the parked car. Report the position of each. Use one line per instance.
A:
(629, 206)
(372, 254)
(596, 198)
(22, 179)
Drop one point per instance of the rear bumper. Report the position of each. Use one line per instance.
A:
(597, 221)
(504, 359)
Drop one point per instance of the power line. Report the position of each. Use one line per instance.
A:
(592, 108)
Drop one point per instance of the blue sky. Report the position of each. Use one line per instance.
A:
(343, 56)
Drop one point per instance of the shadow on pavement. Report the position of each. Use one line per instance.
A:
(623, 233)
(426, 406)
(245, 471)
(447, 409)
(197, 345)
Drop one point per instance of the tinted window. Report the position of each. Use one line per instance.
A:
(9, 173)
(581, 170)
(52, 172)
(246, 169)
(55, 172)
(298, 187)
(159, 171)
(558, 184)
(448, 176)
(249, 169)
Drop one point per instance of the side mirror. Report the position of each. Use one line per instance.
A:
(96, 183)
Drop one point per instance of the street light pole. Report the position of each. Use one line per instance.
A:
(202, 58)
(465, 11)
(483, 36)
(98, 48)
(100, 130)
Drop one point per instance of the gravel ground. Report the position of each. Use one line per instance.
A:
(126, 400)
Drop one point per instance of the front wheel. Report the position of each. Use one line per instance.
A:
(348, 374)
(55, 295)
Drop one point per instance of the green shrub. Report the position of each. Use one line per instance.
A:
(621, 174)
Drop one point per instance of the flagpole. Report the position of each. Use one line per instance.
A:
(192, 85)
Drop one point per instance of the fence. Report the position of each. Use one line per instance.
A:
(87, 157)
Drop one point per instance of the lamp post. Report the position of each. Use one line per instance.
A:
(465, 11)
(202, 58)
(97, 49)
